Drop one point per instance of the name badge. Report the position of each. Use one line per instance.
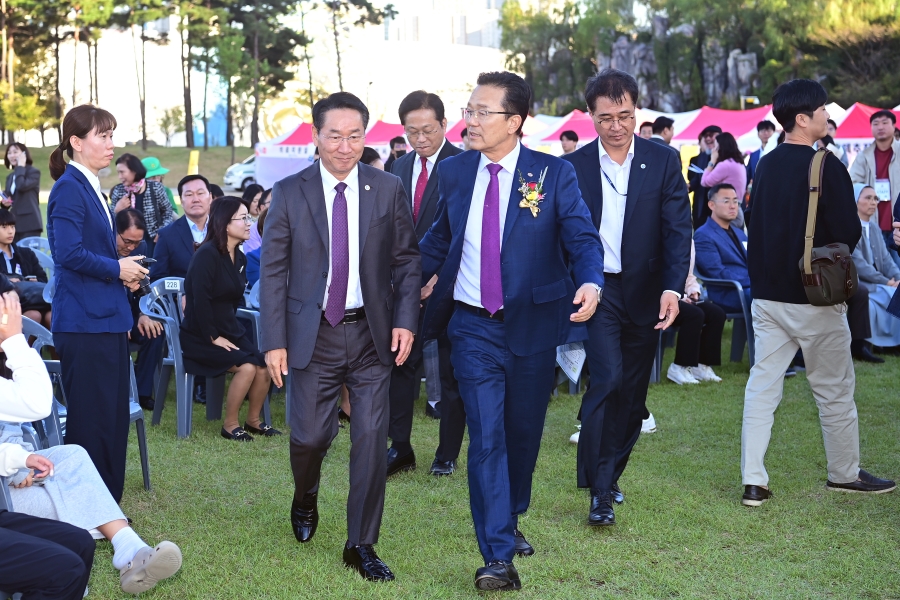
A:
(883, 189)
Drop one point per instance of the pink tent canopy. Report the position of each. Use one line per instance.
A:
(579, 122)
(735, 122)
(855, 125)
(299, 137)
(383, 133)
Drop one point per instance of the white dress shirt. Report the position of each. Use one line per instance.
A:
(198, 234)
(613, 220)
(468, 283)
(351, 192)
(430, 163)
(95, 183)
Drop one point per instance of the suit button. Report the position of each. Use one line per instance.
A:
(325, 274)
(108, 279)
(319, 305)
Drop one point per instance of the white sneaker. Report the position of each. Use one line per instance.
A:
(573, 439)
(648, 425)
(680, 375)
(704, 373)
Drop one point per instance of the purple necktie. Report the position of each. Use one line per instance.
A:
(491, 284)
(340, 258)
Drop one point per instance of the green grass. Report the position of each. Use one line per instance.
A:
(681, 533)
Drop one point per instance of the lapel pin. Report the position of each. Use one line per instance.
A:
(368, 188)
(530, 175)
(643, 166)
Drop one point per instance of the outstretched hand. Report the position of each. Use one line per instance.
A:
(588, 297)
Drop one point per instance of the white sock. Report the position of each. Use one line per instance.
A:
(126, 544)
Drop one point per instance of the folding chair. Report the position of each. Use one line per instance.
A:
(742, 322)
(38, 244)
(46, 263)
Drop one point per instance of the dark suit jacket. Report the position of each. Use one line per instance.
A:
(26, 205)
(403, 168)
(89, 296)
(28, 263)
(214, 288)
(700, 208)
(717, 257)
(537, 285)
(656, 233)
(174, 250)
(295, 262)
(663, 143)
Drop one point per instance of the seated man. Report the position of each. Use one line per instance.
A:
(721, 248)
(878, 274)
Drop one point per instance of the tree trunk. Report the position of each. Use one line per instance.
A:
(229, 123)
(186, 82)
(143, 88)
(77, 39)
(205, 96)
(306, 58)
(140, 86)
(58, 112)
(43, 141)
(337, 47)
(254, 121)
(90, 73)
(96, 72)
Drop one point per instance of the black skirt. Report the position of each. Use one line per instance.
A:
(208, 360)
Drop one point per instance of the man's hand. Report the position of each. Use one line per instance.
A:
(10, 315)
(588, 298)
(401, 343)
(41, 464)
(276, 362)
(668, 310)
(130, 271)
(148, 327)
(896, 227)
(428, 289)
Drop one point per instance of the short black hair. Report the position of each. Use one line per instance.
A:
(612, 84)
(516, 93)
(569, 135)
(662, 123)
(337, 101)
(7, 218)
(264, 199)
(128, 218)
(189, 178)
(464, 132)
(797, 97)
(646, 124)
(768, 125)
(883, 113)
(420, 100)
(716, 188)
(134, 165)
(369, 156)
(832, 123)
(215, 191)
(220, 215)
(397, 140)
(250, 193)
(710, 130)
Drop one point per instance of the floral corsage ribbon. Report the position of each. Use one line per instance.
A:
(532, 192)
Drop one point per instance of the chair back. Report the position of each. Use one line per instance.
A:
(40, 245)
(164, 299)
(253, 297)
(46, 262)
(42, 335)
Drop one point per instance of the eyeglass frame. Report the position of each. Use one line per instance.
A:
(247, 219)
(414, 135)
(129, 243)
(468, 113)
(608, 123)
(336, 140)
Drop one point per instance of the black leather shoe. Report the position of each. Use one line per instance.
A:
(441, 468)
(755, 495)
(601, 513)
(523, 548)
(396, 464)
(305, 517)
(147, 402)
(497, 575)
(264, 429)
(890, 350)
(617, 496)
(366, 562)
(866, 484)
(865, 355)
(432, 411)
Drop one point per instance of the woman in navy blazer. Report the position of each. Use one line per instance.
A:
(91, 315)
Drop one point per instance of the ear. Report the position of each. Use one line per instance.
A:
(515, 121)
(444, 124)
(75, 143)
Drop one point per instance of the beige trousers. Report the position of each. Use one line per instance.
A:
(823, 335)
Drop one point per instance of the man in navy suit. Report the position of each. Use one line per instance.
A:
(506, 221)
(422, 116)
(177, 242)
(721, 248)
(639, 204)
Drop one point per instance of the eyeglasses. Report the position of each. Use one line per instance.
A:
(623, 121)
(335, 140)
(729, 202)
(245, 219)
(129, 243)
(468, 114)
(414, 135)
(189, 195)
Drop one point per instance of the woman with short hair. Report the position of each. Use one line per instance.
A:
(145, 196)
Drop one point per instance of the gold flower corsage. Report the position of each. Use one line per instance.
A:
(532, 192)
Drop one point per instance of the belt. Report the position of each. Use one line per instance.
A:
(481, 312)
(351, 315)
(612, 275)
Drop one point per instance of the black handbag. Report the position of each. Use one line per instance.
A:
(828, 273)
(31, 295)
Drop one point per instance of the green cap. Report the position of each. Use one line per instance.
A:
(153, 166)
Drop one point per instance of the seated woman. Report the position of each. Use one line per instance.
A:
(878, 274)
(212, 339)
(21, 264)
(61, 483)
(145, 196)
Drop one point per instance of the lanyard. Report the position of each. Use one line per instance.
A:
(611, 184)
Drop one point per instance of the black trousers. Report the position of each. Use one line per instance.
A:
(96, 378)
(453, 412)
(44, 559)
(858, 315)
(700, 334)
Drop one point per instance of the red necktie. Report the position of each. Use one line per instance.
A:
(421, 182)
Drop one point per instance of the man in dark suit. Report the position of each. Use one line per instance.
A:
(639, 204)
(398, 149)
(663, 131)
(177, 242)
(506, 220)
(764, 130)
(699, 209)
(422, 115)
(340, 281)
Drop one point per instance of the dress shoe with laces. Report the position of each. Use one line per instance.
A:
(366, 562)
(497, 575)
(441, 468)
(865, 484)
(755, 495)
(617, 496)
(523, 548)
(601, 513)
(397, 463)
(305, 517)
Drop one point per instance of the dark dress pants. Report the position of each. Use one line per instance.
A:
(453, 412)
(404, 391)
(699, 334)
(858, 315)
(96, 377)
(505, 398)
(44, 559)
(620, 358)
(343, 355)
(150, 355)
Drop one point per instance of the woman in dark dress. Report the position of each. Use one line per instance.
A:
(145, 196)
(212, 339)
(21, 191)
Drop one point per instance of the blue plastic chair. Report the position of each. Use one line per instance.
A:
(742, 322)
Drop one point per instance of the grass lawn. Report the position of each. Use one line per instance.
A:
(681, 533)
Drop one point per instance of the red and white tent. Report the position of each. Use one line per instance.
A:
(855, 128)
(282, 156)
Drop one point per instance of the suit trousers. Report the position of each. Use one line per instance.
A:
(505, 398)
(620, 357)
(96, 377)
(453, 412)
(150, 355)
(405, 389)
(44, 559)
(343, 355)
(858, 315)
(700, 334)
(823, 335)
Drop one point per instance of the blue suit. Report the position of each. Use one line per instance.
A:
(505, 368)
(719, 258)
(751, 164)
(174, 250)
(91, 316)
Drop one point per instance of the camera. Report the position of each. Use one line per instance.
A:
(145, 282)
